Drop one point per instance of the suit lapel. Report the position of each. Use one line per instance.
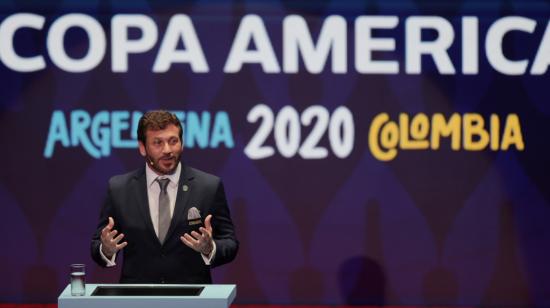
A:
(182, 199)
(140, 190)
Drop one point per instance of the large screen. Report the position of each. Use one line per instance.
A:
(372, 152)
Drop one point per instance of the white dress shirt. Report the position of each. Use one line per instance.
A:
(153, 191)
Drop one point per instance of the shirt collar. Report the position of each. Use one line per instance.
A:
(152, 176)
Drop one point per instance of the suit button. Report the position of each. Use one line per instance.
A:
(162, 280)
(162, 255)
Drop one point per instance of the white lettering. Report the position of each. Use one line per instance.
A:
(493, 44)
(365, 44)
(415, 47)
(122, 45)
(180, 27)
(7, 52)
(542, 59)
(96, 38)
(297, 39)
(252, 29)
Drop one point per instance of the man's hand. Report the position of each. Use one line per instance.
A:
(109, 243)
(202, 242)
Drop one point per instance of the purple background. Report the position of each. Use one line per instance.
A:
(430, 227)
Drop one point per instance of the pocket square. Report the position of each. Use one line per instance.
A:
(195, 222)
(193, 214)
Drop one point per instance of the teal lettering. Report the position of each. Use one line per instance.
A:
(80, 121)
(197, 130)
(119, 122)
(136, 115)
(181, 116)
(221, 132)
(57, 133)
(98, 134)
(101, 135)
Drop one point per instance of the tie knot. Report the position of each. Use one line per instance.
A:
(163, 183)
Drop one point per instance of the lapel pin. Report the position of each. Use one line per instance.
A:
(185, 188)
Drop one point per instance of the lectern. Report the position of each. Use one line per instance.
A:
(150, 296)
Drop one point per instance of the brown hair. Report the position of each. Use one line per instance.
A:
(156, 120)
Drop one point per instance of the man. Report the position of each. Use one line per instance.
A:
(170, 221)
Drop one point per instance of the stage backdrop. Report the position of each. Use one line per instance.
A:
(373, 152)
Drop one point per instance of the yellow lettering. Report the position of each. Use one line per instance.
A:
(419, 130)
(512, 133)
(473, 125)
(389, 137)
(441, 128)
(495, 132)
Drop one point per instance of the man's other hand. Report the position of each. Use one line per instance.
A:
(110, 240)
(202, 242)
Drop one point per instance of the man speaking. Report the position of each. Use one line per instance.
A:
(170, 221)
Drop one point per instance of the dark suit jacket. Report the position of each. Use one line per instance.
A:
(145, 259)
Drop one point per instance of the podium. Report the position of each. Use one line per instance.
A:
(150, 295)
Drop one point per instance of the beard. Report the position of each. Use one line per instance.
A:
(163, 165)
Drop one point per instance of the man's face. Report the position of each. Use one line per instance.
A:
(162, 149)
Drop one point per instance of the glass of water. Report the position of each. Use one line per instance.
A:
(78, 281)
